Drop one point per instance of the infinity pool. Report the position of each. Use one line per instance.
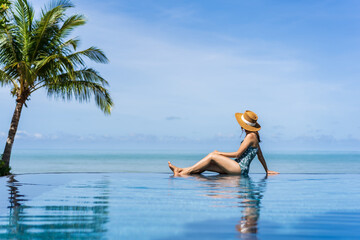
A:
(160, 206)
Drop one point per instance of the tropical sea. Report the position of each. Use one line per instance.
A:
(108, 194)
(88, 160)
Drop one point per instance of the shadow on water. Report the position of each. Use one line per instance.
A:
(82, 217)
(247, 194)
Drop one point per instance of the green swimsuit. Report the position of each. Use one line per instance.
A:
(245, 159)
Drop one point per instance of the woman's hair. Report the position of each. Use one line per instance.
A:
(258, 135)
(256, 132)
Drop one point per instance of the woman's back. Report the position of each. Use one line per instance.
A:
(245, 159)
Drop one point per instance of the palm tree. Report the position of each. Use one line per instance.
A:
(39, 54)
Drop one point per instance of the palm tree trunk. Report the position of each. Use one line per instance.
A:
(12, 133)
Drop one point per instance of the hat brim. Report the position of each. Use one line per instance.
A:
(255, 128)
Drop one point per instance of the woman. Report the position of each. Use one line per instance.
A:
(221, 162)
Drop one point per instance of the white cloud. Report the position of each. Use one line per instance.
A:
(20, 134)
(38, 135)
(220, 141)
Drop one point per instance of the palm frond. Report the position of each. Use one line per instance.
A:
(56, 3)
(47, 26)
(70, 23)
(23, 17)
(62, 63)
(7, 80)
(87, 83)
(71, 42)
(9, 46)
(4, 78)
(92, 53)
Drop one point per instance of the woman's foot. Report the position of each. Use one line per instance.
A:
(185, 171)
(175, 169)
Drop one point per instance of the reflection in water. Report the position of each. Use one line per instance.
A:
(80, 211)
(243, 188)
(15, 197)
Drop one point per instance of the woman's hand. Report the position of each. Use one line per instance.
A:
(272, 172)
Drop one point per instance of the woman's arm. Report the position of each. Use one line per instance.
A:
(263, 162)
(244, 145)
(262, 159)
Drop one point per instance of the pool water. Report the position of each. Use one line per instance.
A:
(160, 206)
(45, 161)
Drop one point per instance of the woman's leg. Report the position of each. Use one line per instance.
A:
(178, 170)
(213, 167)
(212, 162)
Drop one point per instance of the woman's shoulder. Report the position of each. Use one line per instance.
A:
(253, 139)
(251, 136)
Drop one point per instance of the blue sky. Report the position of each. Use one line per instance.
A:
(179, 70)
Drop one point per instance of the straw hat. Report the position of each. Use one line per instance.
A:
(248, 121)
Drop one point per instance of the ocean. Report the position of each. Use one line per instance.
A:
(88, 160)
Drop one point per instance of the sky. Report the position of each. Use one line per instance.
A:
(179, 70)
